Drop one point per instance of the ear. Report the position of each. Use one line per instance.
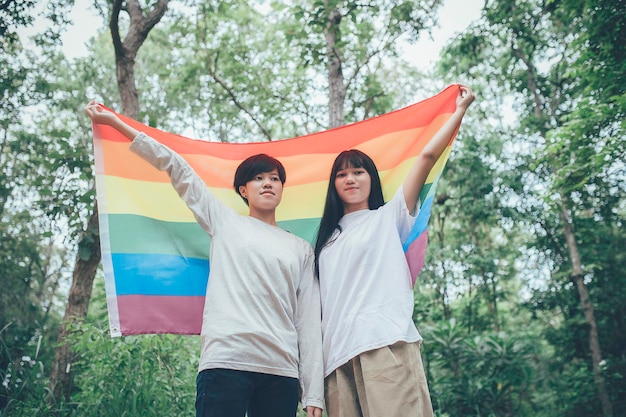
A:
(243, 191)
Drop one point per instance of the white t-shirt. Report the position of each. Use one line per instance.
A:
(262, 308)
(365, 284)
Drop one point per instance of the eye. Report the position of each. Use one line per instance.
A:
(341, 174)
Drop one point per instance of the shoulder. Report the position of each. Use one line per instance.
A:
(298, 243)
(302, 243)
(397, 205)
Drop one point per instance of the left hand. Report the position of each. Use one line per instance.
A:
(465, 98)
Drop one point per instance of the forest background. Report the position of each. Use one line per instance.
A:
(521, 299)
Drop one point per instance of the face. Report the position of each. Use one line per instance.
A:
(353, 186)
(264, 191)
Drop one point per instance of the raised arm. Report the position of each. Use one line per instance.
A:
(207, 209)
(416, 178)
(100, 115)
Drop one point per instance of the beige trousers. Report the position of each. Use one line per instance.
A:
(385, 382)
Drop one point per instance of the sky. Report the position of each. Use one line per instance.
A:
(454, 17)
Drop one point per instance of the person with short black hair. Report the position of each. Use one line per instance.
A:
(261, 334)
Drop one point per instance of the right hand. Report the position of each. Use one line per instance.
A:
(99, 115)
(313, 411)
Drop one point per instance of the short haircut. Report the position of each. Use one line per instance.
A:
(255, 165)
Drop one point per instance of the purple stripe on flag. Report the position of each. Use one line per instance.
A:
(415, 255)
(141, 314)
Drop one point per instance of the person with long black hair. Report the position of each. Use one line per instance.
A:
(372, 362)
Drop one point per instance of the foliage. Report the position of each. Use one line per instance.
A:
(369, 41)
(503, 327)
(244, 84)
(32, 260)
(26, 346)
(133, 376)
(569, 151)
(473, 237)
(484, 375)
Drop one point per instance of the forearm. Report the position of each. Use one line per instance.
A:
(311, 367)
(426, 160)
(309, 328)
(188, 185)
(128, 131)
(431, 153)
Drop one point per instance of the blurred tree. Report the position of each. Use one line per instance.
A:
(354, 46)
(89, 255)
(31, 261)
(571, 135)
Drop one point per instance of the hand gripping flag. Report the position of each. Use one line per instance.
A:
(155, 255)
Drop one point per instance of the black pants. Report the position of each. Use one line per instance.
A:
(231, 393)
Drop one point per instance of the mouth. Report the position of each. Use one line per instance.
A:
(267, 192)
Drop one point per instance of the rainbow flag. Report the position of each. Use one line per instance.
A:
(155, 255)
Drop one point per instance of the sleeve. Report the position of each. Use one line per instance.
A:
(403, 219)
(309, 328)
(206, 208)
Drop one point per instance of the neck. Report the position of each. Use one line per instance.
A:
(351, 208)
(266, 216)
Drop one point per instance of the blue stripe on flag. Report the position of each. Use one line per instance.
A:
(153, 274)
(421, 223)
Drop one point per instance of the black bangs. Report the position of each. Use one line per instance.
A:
(257, 164)
(350, 159)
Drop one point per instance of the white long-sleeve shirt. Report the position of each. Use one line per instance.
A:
(262, 309)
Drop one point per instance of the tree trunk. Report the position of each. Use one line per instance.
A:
(587, 307)
(125, 69)
(337, 89)
(126, 50)
(89, 254)
(491, 299)
(87, 262)
(441, 284)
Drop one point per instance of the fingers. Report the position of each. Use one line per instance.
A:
(313, 412)
(89, 107)
(96, 112)
(466, 96)
(93, 106)
(466, 91)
